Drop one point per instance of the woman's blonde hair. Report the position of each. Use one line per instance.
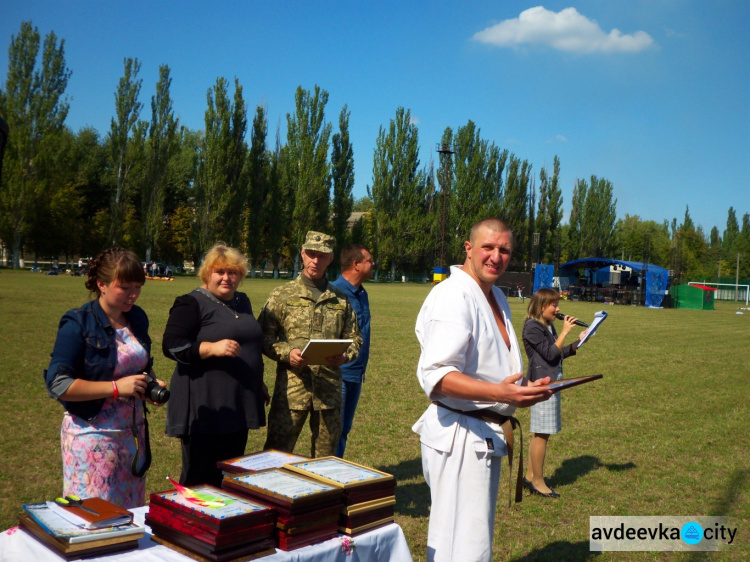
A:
(221, 256)
(539, 301)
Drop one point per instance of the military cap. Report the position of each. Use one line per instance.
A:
(319, 242)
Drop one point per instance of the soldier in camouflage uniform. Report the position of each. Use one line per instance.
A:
(304, 309)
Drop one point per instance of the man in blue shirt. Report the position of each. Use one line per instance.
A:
(356, 266)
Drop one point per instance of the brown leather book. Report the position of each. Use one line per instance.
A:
(106, 514)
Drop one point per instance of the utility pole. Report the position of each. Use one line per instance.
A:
(737, 279)
(446, 152)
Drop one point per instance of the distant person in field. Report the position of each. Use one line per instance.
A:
(101, 352)
(471, 369)
(356, 267)
(546, 351)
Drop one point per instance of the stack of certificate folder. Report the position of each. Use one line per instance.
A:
(230, 527)
(368, 494)
(308, 510)
(72, 541)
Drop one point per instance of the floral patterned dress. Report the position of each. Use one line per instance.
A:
(97, 455)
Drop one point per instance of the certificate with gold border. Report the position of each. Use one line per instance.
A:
(282, 485)
(339, 472)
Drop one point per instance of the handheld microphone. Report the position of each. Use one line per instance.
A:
(561, 316)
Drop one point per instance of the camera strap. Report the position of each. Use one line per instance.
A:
(146, 444)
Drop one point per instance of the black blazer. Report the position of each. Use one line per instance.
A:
(544, 356)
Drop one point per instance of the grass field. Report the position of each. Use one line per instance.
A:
(664, 433)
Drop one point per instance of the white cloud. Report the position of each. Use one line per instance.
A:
(561, 138)
(413, 120)
(566, 30)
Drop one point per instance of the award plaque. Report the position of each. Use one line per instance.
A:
(567, 383)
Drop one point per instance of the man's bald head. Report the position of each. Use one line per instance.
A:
(491, 223)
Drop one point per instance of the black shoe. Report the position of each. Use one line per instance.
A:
(535, 492)
(527, 483)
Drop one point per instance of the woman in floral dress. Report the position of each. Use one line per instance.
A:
(97, 372)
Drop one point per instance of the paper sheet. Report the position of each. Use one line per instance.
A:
(599, 317)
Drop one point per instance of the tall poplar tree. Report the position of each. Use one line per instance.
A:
(399, 194)
(220, 193)
(180, 238)
(576, 218)
(92, 184)
(34, 106)
(256, 213)
(477, 185)
(278, 203)
(162, 145)
(549, 213)
(514, 208)
(730, 234)
(125, 140)
(307, 170)
(342, 176)
(592, 219)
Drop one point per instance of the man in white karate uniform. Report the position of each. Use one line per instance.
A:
(471, 368)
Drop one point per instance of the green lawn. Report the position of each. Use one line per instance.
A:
(664, 433)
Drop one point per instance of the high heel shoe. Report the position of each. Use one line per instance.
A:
(535, 492)
(526, 483)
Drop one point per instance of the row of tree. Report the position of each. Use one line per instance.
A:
(163, 190)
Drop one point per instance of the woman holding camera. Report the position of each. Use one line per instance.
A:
(97, 372)
(217, 385)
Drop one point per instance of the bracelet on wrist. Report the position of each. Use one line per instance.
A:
(116, 392)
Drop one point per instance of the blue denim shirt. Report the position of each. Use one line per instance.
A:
(355, 371)
(85, 348)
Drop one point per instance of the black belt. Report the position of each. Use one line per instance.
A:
(484, 415)
(508, 424)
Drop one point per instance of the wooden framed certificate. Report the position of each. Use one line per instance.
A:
(568, 383)
(259, 461)
(316, 351)
(281, 486)
(339, 472)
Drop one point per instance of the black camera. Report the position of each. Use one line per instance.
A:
(155, 391)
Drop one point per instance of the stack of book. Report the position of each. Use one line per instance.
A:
(71, 541)
(308, 510)
(368, 494)
(227, 527)
(258, 461)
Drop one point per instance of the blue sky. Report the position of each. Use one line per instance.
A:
(650, 94)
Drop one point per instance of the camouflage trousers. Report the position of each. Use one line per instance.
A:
(285, 425)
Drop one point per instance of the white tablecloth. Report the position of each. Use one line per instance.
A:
(386, 544)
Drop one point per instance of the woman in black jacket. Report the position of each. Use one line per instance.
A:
(546, 351)
(217, 387)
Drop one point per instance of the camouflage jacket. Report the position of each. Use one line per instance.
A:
(290, 318)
